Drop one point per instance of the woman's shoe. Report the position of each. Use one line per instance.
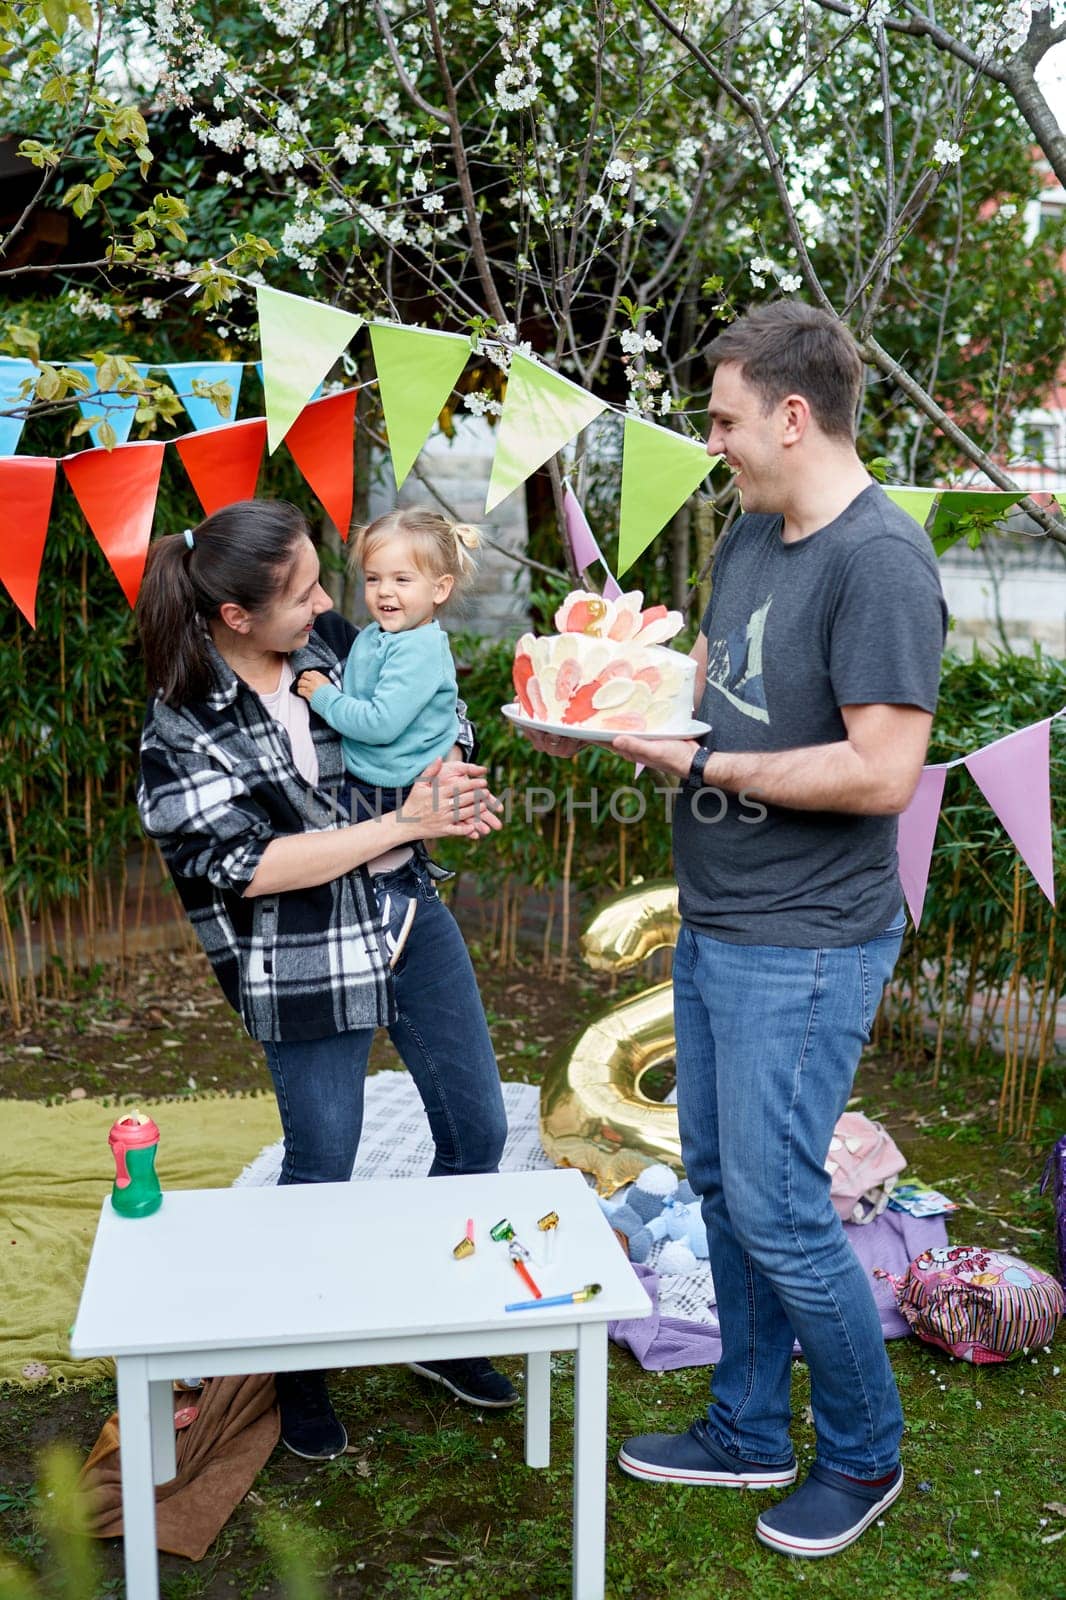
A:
(309, 1425)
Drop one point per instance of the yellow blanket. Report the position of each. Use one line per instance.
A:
(55, 1168)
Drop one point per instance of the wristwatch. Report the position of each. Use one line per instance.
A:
(694, 776)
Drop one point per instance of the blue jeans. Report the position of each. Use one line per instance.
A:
(442, 1037)
(768, 1040)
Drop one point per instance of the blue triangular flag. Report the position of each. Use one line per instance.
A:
(118, 409)
(13, 369)
(204, 413)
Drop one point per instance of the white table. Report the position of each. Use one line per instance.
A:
(224, 1281)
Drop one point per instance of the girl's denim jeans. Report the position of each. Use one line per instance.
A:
(442, 1037)
(768, 1040)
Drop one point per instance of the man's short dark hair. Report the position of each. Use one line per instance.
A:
(791, 348)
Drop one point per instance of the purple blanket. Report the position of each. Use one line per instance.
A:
(891, 1242)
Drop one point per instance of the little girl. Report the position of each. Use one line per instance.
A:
(396, 712)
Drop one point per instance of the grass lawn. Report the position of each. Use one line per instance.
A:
(434, 1498)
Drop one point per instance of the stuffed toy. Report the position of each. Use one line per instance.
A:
(658, 1208)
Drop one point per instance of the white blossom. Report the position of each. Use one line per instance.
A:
(619, 171)
(349, 145)
(790, 282)
(596, 202)
(632, 342)
(947, 153)
(432, 202)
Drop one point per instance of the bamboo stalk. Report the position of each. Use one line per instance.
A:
(1018, 1093)
(25, 921)
(1052, 990)
(1006, 1092)
(568, 858)
(949, 950)
(10, 967)
(546, 946)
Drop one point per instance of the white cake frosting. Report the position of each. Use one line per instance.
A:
(606, 667)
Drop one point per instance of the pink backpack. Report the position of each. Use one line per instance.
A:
(980, 1305)
(864, 1164)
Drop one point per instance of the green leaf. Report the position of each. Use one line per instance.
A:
(104, 181)
(82, 11)
(49, 384)
(57, 15)
(25, 339)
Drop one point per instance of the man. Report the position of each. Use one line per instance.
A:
(818, 672)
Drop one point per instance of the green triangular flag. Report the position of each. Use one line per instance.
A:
(541, 413)
(417, 370)
(917, 503)
(299, 341)
(969, 512)
(660, 469)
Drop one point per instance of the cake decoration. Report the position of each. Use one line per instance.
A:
(606, 667)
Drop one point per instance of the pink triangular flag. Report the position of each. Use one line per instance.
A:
(611, 589)
(917, 830)
(582, 539)
(1014, 775)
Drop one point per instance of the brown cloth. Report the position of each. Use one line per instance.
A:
(218, 1455)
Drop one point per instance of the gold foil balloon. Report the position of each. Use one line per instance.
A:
(593, 1113)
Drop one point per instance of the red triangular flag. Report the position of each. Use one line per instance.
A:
(223, 463)
(26, 485)
(116, 490)
(320, 443)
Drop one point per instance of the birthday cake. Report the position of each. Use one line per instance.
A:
(606, 667)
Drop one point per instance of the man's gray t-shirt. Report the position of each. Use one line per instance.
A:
(851, 615)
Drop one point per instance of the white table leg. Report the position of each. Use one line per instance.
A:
(164, 1444)
(590, 1461)
(538, 1407)
(138, 1490)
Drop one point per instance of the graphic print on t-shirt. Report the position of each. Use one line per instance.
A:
(734, 665)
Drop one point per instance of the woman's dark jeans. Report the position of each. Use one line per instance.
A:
(441, 1035)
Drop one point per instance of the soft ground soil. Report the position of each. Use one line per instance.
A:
(434, 1499)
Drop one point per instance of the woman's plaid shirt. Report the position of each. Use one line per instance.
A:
(217, 785)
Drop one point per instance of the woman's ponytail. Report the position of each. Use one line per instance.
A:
(172, 630)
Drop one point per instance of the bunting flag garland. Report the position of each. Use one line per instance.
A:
(320, 443)
(117, 490)
(26, 484)
(542, 412)
(13, 373)
(917, 503)
(957, 504)
(917, 832)
(660, 469)
(1014, 775)
(204, 413)
(583, 544)
(300, 340)
(417, 369)
(223, 463)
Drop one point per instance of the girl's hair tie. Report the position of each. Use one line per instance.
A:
(189, 539)
(467, 536)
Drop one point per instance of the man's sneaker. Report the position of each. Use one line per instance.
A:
(309, 1424)
(695, 1458)
(826, 1514)
(474, 1381)
(397, 914)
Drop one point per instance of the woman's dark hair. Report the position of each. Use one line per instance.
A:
(240, 556)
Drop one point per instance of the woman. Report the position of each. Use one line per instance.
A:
(245, 790)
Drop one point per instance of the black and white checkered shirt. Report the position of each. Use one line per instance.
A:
(217, 784)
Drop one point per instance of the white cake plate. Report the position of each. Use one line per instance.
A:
(683, 730)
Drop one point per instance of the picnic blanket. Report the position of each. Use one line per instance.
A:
(55, 1169)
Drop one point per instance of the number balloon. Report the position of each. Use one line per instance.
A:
(593, 1113)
